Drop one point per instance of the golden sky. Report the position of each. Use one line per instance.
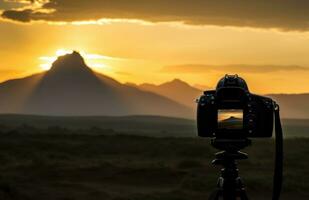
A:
(156, 41)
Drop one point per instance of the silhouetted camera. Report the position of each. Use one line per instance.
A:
(232, 112)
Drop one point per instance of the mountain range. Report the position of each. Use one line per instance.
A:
(293, 106)
(177, 90)
(71, 88)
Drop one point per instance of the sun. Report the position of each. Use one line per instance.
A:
(94, 61)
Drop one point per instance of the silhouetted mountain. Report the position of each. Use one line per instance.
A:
(176, 90)
(293, 105)
(14, 93)
(231, 123)
(232, 119)
(72, 88)
(202, 87)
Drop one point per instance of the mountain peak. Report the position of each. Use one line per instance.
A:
(176, 82)
(69, 62)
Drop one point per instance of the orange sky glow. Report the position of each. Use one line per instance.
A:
(272, 60)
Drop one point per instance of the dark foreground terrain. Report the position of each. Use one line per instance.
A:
(81, 166)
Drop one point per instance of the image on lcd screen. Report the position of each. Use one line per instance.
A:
(230, 119)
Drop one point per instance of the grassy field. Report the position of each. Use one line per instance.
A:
(90, 166)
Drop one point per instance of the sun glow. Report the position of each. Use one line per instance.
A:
(94, 61)
(62, 52)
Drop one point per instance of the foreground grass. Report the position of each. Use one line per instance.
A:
(86, 167)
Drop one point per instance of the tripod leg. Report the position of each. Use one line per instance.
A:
(218, 194)
(243, 195)
(215, 195)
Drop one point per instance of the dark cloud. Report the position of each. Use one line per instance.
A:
(241, 68)
(21, 16)
(283, 14)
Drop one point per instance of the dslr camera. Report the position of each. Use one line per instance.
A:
(232, 112)
(230, 116)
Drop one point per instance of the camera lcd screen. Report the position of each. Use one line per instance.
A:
(230, 119)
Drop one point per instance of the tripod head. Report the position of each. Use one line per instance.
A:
(230, 145)
(231, 150)
(230, 186)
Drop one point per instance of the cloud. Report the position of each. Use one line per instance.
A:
(283, 14)
(21, 16)
(240, 68)
(9, 4)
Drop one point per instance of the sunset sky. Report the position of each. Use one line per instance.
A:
(198, 41)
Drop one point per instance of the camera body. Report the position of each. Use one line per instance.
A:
(232, 112)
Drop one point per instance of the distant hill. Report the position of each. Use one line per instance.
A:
(292, 105)
(157, 126)
(202, 87)
(176, 90)
(70, 88)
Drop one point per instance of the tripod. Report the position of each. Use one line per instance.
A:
(230, 185)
